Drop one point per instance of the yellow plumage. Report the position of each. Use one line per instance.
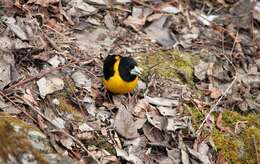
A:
(116, 84)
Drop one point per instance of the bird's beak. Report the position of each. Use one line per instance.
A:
(135, 71)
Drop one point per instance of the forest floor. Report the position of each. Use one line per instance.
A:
(197, 101)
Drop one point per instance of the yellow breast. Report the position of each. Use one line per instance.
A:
(117, 85)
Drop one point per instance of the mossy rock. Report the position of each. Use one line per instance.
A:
(238, 148)
(173, 64)
(21, 142)
(14, 144)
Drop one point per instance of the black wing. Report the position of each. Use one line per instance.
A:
(108, 67)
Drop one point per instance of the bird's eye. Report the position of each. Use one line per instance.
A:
(132, 66)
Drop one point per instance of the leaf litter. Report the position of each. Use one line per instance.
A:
(50, 63)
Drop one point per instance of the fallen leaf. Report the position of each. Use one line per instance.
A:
(17, 30)
(109, 22)
(200, 70)
(157, 121)
(125, 125)
(5, 71)
(141, 108)
(220, 126)
(138, 18)
(174, 154)
(129, 157)
(174, 124)
(221, 159)
(56, 60)
(161, 33)
(49, 84)
(28, 96)
(85, 128)
(206, 19)
(215, 93)
(43, 3)
(8, 108)
(167, 111)
(67, 143)
(58, 122)
(80, 8)
(159, 101)
(81, 80)
(154, 135)
(169, 9)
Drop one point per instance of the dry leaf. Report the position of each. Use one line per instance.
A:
(141, 108)
(129, 157)
(159, 101)
(167, 111)
(29, 97)
(48, 85)
(125, 125)
(215, 93)
(67, 143)
(157, 121)
(220, 125)
(43, 3)
(81, 80)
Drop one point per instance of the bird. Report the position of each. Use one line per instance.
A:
(120, 74)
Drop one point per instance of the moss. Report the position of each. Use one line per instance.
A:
(230, 118)
(196, 115)
(227, 145)
(169, 64)
(66, 106)
(238, 148)
(14, 143)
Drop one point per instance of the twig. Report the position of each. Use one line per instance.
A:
(41, 74)
(65, 14)
(52, 43)
(255, 146)
(52, 29)
(85, 70)
(232, 50)
(14, 104)
(187, 14)
(213, 108)
(144, 4)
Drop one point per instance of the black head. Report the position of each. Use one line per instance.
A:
(126, 67)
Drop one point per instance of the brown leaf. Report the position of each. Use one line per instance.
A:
(125, 125)
(220, 125)
(221, 159)
(43, 3)
(215, 93)
(41, 123)
(29, 97)
(141, 108)
(55, 25)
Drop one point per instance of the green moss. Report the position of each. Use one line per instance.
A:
(14, 143)
(238, 148)
(196, 115)
(169, 64)
(66, 106)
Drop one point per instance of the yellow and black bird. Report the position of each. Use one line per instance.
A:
(120, 74)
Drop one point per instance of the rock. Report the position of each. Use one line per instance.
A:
(23, 143)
